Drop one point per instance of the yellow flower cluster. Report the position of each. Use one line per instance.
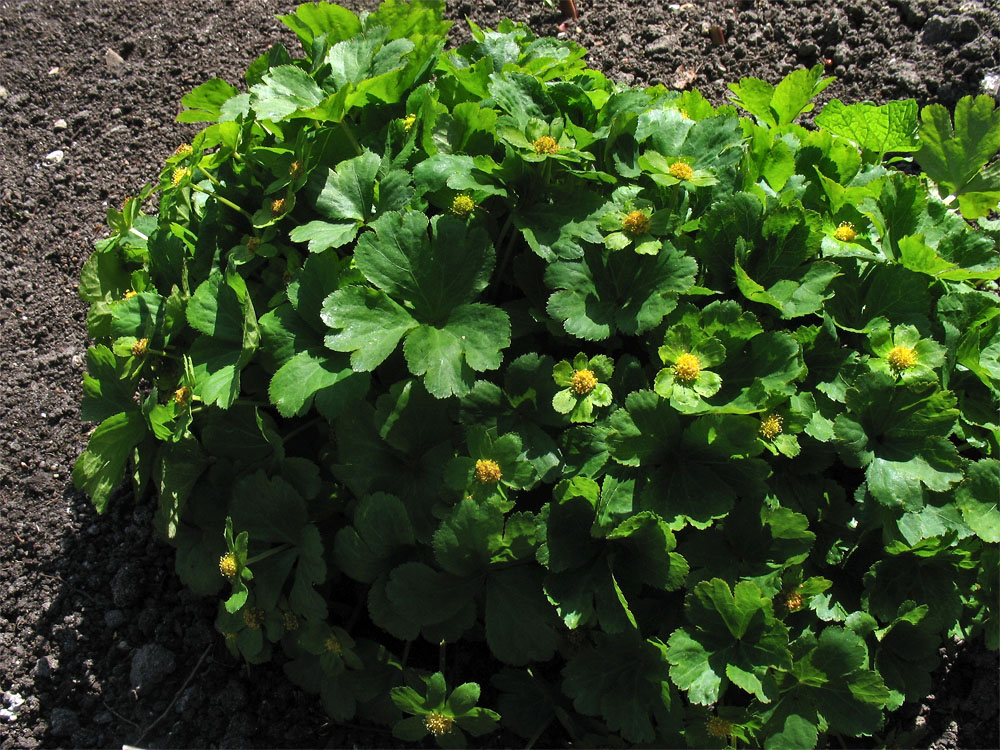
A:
(488, 471)
(770, 427)
(227, 565)
(463, 205)
(583, 382)
(438, 723)
(901, 358)
(635, 223)
(845, 232)
(546, 145)
(681, 171)
(687, 368)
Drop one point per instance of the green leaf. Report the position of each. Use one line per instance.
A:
(781, 104)
(349, 191)
(322, 19)
(101, 467)
(519, 619)
(622, 679)
(108, 387)
(955, 156)
(977, 498)
(322, 235)
(205, 102)
(602, 295)
(284, 90)
(427, 596)
(370, 325)
(316, 373)
(879, 129)
(381, 527)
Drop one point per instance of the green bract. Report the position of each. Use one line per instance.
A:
(679, 427)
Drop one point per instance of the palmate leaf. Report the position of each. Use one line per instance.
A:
(623, 679)
(283, 91)
(732, 635)
(621, 292)
(316, 374)
(448, 339)
(977, 498)
(955, 156)
(898, 434)
(101, 467)
(879, 129)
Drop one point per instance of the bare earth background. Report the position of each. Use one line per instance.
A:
(96, 636)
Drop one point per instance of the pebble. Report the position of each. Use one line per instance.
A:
(990, 85)
(663, 45)
(127, 585)
(4, 93)
(60, 125)
(54, 157)
(809, 50)
(113, 60)
(114, 619)
(63, 722)
(150, 664)
(956, 29)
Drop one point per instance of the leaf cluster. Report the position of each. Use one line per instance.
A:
(677, 425)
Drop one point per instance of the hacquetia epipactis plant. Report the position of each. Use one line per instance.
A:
(470, 376)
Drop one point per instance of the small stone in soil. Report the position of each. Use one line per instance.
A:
(63, 722)
(59, 125)
(54, 157)
(150, 665)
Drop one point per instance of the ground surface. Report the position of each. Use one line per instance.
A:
(89, 606)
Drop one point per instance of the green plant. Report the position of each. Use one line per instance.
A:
(679, 427)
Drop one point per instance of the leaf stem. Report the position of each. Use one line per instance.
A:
(504, 231)
(301, 428)
(138, 234)
(351, 138)
(223, 200)
(268, 553)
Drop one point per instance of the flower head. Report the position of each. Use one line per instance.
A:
(770, 427)
(183, 150)
(290, 621)
(719, 727)
(408, 122)
(546, 145)
(488, 471)
(179, 175)
(845, 232)
(253, 244)
(227, 565)
(139, 348)
(463, 205)
(687, 368)
(182, 395)
(278, 207)
(253, 617)
(583, 382)
(901, 358)
(295, 169)
(636, 223)
(681, 171)
(438, 723)
(791, 600)
(129, 294)
(333, 645)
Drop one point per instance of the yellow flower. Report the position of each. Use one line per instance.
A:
(290, 621)
(583, 382)
(718, 727)
(790, 600)
(636, 223)
(253, 617)
(463, 205)
(770, 427)
(686, 368)
(139, 348)
(179, 175)
(183, 150)
(333, 645)
(278, 207)
(438, 723)
(227, 565)
(295, 169)
(182, 395)
(845, 232)
(546, 145)
(129, 294)
(684, 114)
(901, 358)
(488, 471)
(681, 171)
(408, 122)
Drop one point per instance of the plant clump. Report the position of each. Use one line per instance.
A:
(450, 371)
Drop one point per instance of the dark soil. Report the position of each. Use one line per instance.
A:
(97, 638)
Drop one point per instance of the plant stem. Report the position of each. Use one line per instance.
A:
(507, 250)
(268, 553)
(351, 138)
(441, 657)
(301, 428)
(223, 200)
